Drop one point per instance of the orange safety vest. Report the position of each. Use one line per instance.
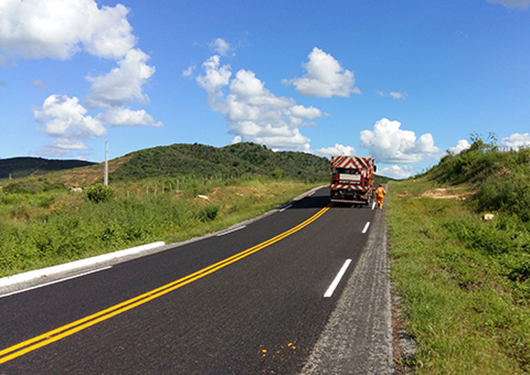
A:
(380, 192)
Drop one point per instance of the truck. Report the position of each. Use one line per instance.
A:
(351, 179)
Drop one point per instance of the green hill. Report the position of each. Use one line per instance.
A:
(460, 248)
(234, 160)
(29, 166)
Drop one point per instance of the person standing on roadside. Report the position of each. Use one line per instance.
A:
(380, 193)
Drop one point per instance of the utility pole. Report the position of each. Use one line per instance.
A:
(106, 177)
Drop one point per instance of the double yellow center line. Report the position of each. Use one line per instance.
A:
(79, 325)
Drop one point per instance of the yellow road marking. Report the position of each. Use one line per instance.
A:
(79, 325)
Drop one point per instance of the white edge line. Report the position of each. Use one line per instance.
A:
(31, 275)
(366, 227)
(335, 282)
(231, 230)
(54, 282)
(286, 208)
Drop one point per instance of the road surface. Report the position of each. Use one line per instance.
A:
(263, 298)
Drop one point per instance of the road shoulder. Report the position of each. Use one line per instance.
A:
(358, 337)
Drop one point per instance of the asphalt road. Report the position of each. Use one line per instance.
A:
(247, 302)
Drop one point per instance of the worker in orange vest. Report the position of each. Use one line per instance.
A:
(380, 192)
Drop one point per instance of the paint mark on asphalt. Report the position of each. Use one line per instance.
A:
(231, 230)
(366, 227)
(336, 282)
(57, 334)
(286, 208)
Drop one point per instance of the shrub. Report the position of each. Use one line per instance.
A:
(99, 193)
(208, 213)
(32, 186)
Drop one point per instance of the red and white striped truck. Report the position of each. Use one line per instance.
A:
(351, 179)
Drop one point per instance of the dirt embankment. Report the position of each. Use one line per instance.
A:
(459, 193)
(89, 175)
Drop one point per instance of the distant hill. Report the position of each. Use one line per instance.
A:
(29, 166)
(234, 160)
(178, 160)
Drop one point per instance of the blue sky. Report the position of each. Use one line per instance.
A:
(402, 81)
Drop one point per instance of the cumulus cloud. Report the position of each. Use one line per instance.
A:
(516, 140)
(61, 147)
(511, 4)
(127, 117)
(214, 79)
(123, 84)
(337, 150)
(397, 172)
(390, 144)
(253, 113)
(65, 117)
(325, 77)
(57, 29)
(220, 46)
(460, 146)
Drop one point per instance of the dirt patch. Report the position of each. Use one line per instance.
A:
(404, 195)
(445, 193)
(90, 175)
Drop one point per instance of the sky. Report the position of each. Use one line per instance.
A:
(404, 82)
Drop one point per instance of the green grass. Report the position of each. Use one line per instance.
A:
(52, 227)
(465, 283)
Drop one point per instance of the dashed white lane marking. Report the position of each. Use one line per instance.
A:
(286, 208)
(373, 206)
(335, 282)
(366, 227)
(231, 230)
(55, 282)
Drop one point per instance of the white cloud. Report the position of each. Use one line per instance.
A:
(325, 77)
(127, 117)
(398, 95)
(65, 117)
(215, 78)
(188, 72)
(393, 94)
(123, 84)
(390, 144)
(254, 114)
(59, 29)
(61, 147)
(459, 147)
(397, 172)
(516, 140)
(511, 4)
(220, 46)
(337, 150)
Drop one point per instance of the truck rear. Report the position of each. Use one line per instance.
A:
(351, 179)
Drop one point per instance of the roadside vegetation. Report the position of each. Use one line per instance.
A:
(465, 281)
(44, 224)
